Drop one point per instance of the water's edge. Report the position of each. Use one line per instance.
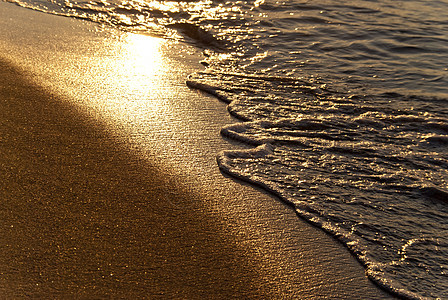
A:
(260, 150)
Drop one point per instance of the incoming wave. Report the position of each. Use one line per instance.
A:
(372, 175)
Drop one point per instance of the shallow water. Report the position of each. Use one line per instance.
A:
(347, 105)
(372, 175)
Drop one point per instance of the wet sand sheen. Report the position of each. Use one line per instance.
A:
(89, 211)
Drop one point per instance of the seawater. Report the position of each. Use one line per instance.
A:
(345, 104)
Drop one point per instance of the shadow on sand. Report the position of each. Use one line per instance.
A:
(82, 216)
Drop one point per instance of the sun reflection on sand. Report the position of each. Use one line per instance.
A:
(138, 89)
(142, 55)
(129, 82)
(136, 72)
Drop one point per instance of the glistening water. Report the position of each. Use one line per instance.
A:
(346, 105)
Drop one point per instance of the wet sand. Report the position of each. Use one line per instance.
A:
(110, 188)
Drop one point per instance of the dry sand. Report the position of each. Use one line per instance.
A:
(109, 186)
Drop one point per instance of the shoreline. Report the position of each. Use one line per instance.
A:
(110, 186)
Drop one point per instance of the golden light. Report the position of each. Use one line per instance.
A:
(135, 72)
(141, 54)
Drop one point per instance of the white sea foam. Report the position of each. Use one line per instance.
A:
(370, 175)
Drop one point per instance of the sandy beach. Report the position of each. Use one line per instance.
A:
(109, 185)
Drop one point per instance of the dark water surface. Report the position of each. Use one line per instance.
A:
(347, 103)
